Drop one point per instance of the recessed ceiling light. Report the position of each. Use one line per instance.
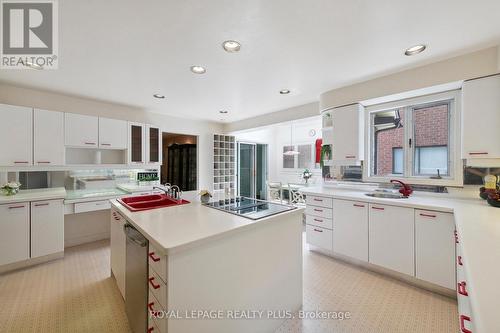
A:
(231, 46)
(416, 49)
(198, 69)
(284, 91)
(33, 65)
(159, 96)
(223, 111)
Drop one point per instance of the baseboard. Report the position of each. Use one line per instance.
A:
(85, 239)
(30, 262)
(388, 272)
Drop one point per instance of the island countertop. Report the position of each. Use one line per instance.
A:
(177, 228)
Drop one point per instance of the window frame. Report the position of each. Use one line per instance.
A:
(296, 158)
(407, 106)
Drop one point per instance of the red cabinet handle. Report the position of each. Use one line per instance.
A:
(41, 204)
(150, 306)
(155, 286)
(89, 143)
(43, 162)
(105, 144)
(358, 205)
(317, 230)
(316, 199)
(378, 208)
(151, 329)
(350, 156)
(318, 220)
(15, 207)
(463, 319)
(318, 210)
(461, 288)
(459, 260)
(152, 256)
(478, 153)
(427, 215)
(20, 162)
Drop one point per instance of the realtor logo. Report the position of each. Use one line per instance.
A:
(29, 34)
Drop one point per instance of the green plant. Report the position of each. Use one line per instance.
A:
(326, 150)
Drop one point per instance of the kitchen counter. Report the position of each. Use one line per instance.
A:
(34, 195)
(177, 228)
(478, 226)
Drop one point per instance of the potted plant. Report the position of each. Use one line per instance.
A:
(205, 196)
(11, 188)
(306, 175)
(326, 153)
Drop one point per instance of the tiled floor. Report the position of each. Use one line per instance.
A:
(77, 295)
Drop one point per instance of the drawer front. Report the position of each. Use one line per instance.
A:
(156, 314)
(319, 201)
(319, 237)
(319, 221)
(158, 262)
(91, 206)
(319, 211)
(157, 287)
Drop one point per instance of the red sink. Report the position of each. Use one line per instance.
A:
(146, 202)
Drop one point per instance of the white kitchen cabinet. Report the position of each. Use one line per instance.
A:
(47, 227)
(319, 237)
(153, 144)
(350, 231)
(480, 118)
(81, 131)
(16, 135)
(48, 137)
(137, 143)
(391, 238)
(118, 250)
(435, 247)
(112, 133)
(14, 238)
(348, 134)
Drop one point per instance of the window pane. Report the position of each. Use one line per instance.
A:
(397, 161)
(431, 135)
(288, 159)
(305, 156)
(387, 128)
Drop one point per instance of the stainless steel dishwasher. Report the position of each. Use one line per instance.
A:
(136, 279)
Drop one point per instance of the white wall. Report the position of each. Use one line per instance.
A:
(58, 102)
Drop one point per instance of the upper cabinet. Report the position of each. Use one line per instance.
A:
(153, 140)
(81, 131)
(48, 137)
(112, 134)
(347, 134)
(16, 135)
(137, 143)
(480, 119)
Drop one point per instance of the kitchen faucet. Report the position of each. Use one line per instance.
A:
(405, 189)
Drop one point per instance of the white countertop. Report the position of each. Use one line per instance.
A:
(76, 196)
(478, 227)
(34, 195)
(177, 228)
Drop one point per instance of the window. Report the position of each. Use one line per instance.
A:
(304, 160)
(288, 160)
(414, 139)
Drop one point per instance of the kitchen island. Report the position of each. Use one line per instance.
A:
(213, 271)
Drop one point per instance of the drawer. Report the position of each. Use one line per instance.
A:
(158, 262)
(82, 207)
(156, 314)
(319, 211)
(157, 287)
(319, 201)
(319, 221)
(319, 237)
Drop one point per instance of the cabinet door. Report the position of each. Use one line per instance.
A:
(136, 147)
(112, 133)
(15, 135)
(391, 235)
(350, 229)
(118, 243)
(480, 118)
(14, 238)
(48, 131)
(154, 144)
(347, 133)
(81, 130)
(435, 248)
(47, 227)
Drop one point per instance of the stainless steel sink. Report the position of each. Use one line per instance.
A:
(386, 195)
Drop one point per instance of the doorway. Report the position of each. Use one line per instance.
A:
(180, 159)
(252, 170)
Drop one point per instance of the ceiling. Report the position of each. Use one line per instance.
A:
(124, 51)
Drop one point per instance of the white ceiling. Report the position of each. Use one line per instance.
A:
(124, 51)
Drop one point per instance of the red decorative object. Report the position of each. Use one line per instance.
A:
(318, 144)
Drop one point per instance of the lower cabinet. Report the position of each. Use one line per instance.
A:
(391, 235)
(47, 227)
(118, 250)
(319, 237)
(14, 238)
(435, 247)
(350, 235)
